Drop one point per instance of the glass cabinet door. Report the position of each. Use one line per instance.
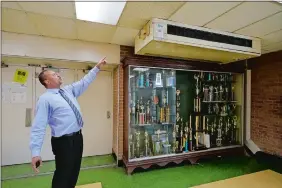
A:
(152, 111)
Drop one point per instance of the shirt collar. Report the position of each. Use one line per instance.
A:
(53, 91)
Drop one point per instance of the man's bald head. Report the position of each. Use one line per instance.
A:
(50, 79)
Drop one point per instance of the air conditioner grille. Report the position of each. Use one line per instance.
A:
(208, 36)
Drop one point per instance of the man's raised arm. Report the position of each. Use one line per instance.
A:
(80, 86)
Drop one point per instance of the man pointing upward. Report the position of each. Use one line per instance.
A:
(58, 107)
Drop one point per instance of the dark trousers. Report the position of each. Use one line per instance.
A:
(68, 153)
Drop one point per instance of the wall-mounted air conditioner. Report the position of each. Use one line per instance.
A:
(170, 39)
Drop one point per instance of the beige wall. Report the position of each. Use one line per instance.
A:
(61, 49)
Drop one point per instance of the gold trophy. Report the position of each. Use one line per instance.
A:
(137, 144)
(219, 134)
(196, 132)
(190, 136)
(146, 144)
(174, 140)
(131, 147)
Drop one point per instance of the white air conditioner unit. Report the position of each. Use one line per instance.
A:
(165, 38)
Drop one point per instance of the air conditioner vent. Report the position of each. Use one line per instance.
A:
(208, 36)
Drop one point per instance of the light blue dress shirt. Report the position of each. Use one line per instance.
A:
(53, 110)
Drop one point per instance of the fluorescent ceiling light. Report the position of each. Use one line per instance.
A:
(101, 12)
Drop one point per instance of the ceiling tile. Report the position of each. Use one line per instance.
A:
(272, 38)
(263, 27)
(136, 14)
(200, 13)
(272, 48)
(94, 32)
(131, 22)
(16, 21)
(54, 26)
(243, 15)
(10, 4)
(147, 10)
(61, 9)
(124, 36)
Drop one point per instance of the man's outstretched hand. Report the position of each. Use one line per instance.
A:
(101, 63)
(34, 161)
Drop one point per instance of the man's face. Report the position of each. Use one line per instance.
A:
(52, 79)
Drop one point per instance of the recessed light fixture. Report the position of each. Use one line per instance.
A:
(101, 12)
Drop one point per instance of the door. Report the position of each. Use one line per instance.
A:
(17, 109)
(96, 106)
(68, 77)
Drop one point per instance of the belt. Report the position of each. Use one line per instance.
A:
(73, 134)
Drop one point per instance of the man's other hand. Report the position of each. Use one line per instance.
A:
(34, 161)
(101, 62)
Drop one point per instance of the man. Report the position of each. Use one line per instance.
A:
(59, 108)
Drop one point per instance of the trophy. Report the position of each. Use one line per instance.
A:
(197, 77)
(148, 120)
(181, 141)
(224, 110)
(221, 77)
(234, 140)
(137, 112)
(232, 93)
(209, 76)
(216, 93)
(220, 93)
(206, 93)
(209, 109)
(190, 135)
(147, 79)
(216, 108)
(158, 143)
(141, 113)
(197, 136)
(186, 136)
(133, 110)
(226, 93)
(174, 140)
(131, 147)
(137, 133)
(211, 93)
(228, 130)
(146, 144)
(158, 81)
(141, 80)
(197, 105)
(233, 108)
(219, 135)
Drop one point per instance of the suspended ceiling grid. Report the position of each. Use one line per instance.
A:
(58, 19)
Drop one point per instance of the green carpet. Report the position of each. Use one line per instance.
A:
(49, 166)
(177, 177)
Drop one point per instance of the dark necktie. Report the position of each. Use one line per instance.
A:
(75, 110)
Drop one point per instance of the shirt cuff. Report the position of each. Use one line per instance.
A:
(35, 153)
(95, 70)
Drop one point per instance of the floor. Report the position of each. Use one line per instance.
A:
(261, 179)
(181, 176)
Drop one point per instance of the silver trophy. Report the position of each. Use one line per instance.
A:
(220, 93)
(224, 110)
(206, 93)
(211, 93)
(197, 77)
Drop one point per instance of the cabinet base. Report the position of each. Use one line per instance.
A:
(193, 157)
